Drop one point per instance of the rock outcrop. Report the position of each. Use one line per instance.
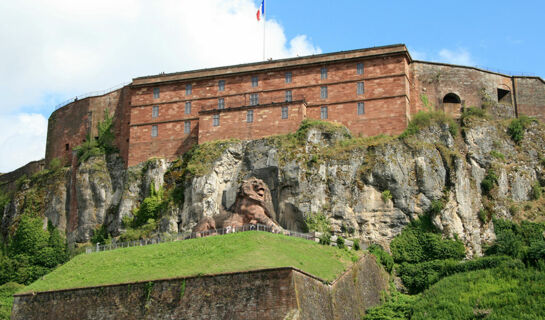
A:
(367, 188)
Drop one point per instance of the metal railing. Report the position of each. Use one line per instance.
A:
(91, 94)
(192, 235)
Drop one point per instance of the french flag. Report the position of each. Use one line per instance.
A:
(261, 10)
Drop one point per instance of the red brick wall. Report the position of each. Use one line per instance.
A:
(530, 96)
(267, 121)
(71, 123)
(385, 95)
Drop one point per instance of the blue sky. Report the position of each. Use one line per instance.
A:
(54, 50)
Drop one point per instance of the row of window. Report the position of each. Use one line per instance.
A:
(250, 118)
(255, 81)
(254, 100)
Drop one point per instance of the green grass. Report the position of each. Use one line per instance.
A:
(499, 293)
(6, 298)
(217, 254)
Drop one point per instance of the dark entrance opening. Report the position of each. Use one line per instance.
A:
(451, 98)
(504, 96)
(452, 104)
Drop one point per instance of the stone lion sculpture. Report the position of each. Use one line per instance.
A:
(253, 205)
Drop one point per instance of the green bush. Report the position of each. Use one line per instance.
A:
(418, 277)
(6, 298)
(382, 256)
(517, 126)
(386, 195)
(340, 242)
(150, 208)
(144, 231)
(436, 207)
(397, 306)
(489, 181)
(416, 244)
(55, 164)
(29, 238)
(318, 222)
(497, 155)
(100, 235)
(325, 239)
(474, 112)
(356, 245)
(522, 241)
(104, 144)
(4, 201)
(536, 190)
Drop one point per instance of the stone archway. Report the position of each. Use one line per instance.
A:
(452, 104)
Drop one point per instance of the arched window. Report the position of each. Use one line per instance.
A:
(451, 98)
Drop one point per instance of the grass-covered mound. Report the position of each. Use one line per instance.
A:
(498, 293)
(217, 254)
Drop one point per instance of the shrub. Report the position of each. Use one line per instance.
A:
(142, 232)
(318, 222)
(356, 245)
(415, 244)
(489, 181)
(340, 242)
(420, 276)
(100, 235)
(497, 155)
(150, 208)
(386, 195)
(436, 207)
(483, 216)
(536, 190)
(104, 144)
(474, 112)
(55, 164)
(382, 256)
(325, 239)
(517, 126)
(396, 307)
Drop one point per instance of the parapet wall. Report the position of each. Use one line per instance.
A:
(530, 96)
(280, 293)
(7, 180)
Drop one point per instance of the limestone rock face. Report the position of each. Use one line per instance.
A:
(370, 190)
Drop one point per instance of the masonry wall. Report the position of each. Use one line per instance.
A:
(530, 96)
(69, 126)
(8, 180)
(435, 81)
(267, 121)
(385, 96)
(265, 294)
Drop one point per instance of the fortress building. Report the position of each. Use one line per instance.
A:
(370, 91)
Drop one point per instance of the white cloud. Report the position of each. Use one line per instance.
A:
(22, 140)
(459, 56)
(62, 48)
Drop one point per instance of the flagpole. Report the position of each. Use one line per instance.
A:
(263, 30)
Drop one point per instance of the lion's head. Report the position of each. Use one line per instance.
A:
(257, 190)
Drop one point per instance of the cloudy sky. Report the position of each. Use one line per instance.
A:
(54, 50)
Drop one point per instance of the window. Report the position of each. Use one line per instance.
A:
(187, 127)
(360, 87)
(250, 116)
(323, 73)
(188, 89)
(221, 85)
(155, 93)
(188, 107)
(254, 99)
(361, 108)
(67, 147)
(323, 92)
(221, 103)
(154, 131)
(255, 82)
(154, 111)
(359, 68)
(323, 112)
(216, 120)
(288, 77)
(288, 96)
(284, 112)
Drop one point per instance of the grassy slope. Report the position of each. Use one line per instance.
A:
(499, 293)
(229, 253)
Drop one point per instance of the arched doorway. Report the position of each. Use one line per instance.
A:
(452, 104)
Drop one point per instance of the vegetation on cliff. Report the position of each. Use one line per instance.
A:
(505, 284)
(210, 255)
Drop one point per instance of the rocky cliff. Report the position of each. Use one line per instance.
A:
(367, 188)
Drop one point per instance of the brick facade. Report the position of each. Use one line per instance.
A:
(370, 91)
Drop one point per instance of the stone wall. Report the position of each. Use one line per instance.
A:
(530, 96)
(7, 180)
(70, 125)
(280, 293)
(436, 80)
